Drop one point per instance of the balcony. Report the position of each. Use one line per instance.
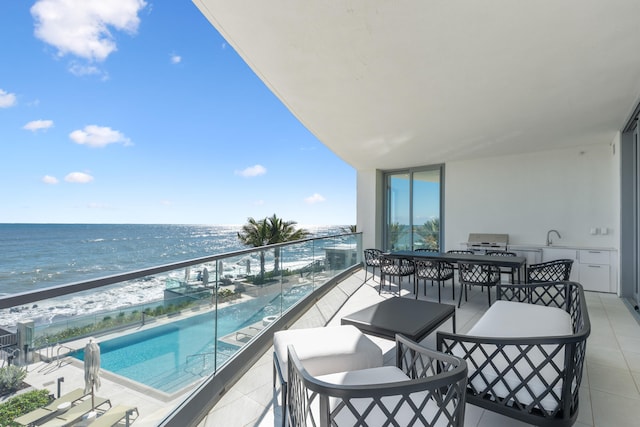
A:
(610, 392)
(231, 299)
(611, 385)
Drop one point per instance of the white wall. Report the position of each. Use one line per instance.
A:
(369, 209)
(570, 190)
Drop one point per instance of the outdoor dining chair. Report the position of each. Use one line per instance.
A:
(395, 267)
(435, 271)
(511, 271)
(477, 274)
(550, 271)
(371, 259)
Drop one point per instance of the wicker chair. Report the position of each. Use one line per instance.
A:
(436, 271)
(395, 267)
(371, 259)
(477, 274)
(425, 388)
(533, 374)
(511, 271)
(550, 271)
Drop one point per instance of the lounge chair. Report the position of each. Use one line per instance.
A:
(114, 415)
(39, 415)
(425, 388)
(75, 413)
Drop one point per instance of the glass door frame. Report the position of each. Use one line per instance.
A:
(387, 201)
(636, 212)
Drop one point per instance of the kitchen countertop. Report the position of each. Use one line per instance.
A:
(539, 246)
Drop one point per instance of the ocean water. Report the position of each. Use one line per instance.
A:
(36, 256)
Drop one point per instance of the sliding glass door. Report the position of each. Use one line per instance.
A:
(413, 209)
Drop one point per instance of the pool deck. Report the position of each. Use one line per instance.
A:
(610, 393)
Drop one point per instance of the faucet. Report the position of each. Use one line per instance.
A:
(549, 237)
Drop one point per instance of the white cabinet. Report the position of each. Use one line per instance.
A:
(594, 269)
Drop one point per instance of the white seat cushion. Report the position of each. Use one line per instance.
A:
(516, 319)
(508, 319)
(328, 350)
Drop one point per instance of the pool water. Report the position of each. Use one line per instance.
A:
(172, 356)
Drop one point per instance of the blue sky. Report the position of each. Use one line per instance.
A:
(132, 111)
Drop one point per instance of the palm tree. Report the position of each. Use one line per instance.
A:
(270, 231)
(255, 233)
(430, 232)
(281, 231)
(396, 233)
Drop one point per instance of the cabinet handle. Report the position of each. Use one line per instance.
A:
(595, 252)
(594, 266)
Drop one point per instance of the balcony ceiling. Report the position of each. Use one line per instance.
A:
(390, 84)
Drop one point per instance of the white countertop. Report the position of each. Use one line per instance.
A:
(524, 246)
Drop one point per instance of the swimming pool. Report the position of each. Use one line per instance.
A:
(163, 357)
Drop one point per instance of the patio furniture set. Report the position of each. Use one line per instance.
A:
(527, 370)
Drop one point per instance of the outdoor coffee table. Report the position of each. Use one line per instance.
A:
(415, 319)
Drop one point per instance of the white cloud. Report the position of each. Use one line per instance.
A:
(259, 202)
(7, 99)
(252, 171)
(98, 136)
(36, 125)
(78, 178)
(79, 70)
(166, 202)
(84, 27)
(176, 59)
(316, 198)
(48, 179)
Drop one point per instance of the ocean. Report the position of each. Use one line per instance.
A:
(36, 256)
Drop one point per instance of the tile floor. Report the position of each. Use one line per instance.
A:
(610, 389)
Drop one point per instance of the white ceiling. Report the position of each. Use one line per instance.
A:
(389, 84)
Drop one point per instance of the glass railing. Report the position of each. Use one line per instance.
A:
(185, 319)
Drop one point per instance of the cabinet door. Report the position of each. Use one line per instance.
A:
(594, 277)
(588, 256)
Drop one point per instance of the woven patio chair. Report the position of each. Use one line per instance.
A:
(371, 259)
(511, 271)
(477, 274)
(395, 267)
(550, 271)
(435, 271)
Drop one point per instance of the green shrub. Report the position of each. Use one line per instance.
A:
(11, 378)
(22, 404)
(106, 323)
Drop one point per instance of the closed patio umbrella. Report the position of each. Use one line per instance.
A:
(91, 369)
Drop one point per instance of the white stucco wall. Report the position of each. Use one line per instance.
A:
(369, 209)
(570, 190)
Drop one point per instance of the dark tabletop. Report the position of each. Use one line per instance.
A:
(412, 318)
(501, 261)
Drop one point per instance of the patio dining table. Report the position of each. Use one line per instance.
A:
(517, 262)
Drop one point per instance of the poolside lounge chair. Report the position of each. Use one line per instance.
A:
(75, 413)
(39, 415)
(114, 415)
